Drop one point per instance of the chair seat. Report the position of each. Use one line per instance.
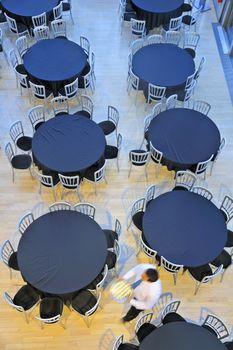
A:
(85, 114)
(110, 152)
(89, 172)
(1, 48)
(110, 236)
(13, 262)
(107, 126)
(191, 51)
(24, 143)
(129, 15)
(66, 6)
(200, 272)
(179, 188)
(128, 346)
(138, 151)
(229, 242)
(180, 94)
(229, 345)
(2, 18)
(144, 331)
(38, 125)
(20, 69)
(187, 19)
(83, 301)
(166, 26)
(26, 297)
(186, 8)
(61, 37)
(173, 317)
(111, 260)
(223, 259)
(21, 161)
(61, 113)
(137, 219)
(21, 27)
(224, 214)
(50, 307)
(94, 283)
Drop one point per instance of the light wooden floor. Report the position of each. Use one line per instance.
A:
(97, 20)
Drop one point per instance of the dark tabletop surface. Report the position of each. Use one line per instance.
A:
(68, 143)
(181, 336)
(62, 252)
(55, 60)
(163, 64)
(158, 6)
(185, 228)
(29, 8)
(184, 136)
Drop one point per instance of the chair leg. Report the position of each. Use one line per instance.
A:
(95, 189)
(198, 284)
(26, 317)
(175, 278)
(130, 168)
(71, 17)
(10, 273)
(54, 193)
(62, 192)
(13, 175)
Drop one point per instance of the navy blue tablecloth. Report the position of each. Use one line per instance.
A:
(186, 137)
(55, 62)
(157, 12)
(23, 10)
(185, 228)
(164, 65)
(68, 144)
(179, 336)
(62, 252)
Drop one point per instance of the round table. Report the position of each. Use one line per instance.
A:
(157, 12)
(62, 252)
(68, 144)
(179, 336)
(186, 137)
(55, 62)
(23, 10)
(185, 228)
(164, 65)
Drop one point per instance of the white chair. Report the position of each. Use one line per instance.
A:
(17, 135)
(153, 39)
(185, 180)
(191, 40)
(139, 158)
(88, 82)
(39, 91)
(22, 45)
(171, 307)
(85, 208)
(60, 105)
(9, 256)
(207, 279)
(113, 152)
(172, 37)
(70, 90)
(202, 166)
(149, 195)
(50, 320)
(67, 7)
(136, 45)
(227, 208)
(57, 11)
(58, 27)
(60, 206)
(138, 28)
(111, 124)
(162, 302)
(174, 24)
(70, 182)
(201, 106)
(19, 161)
(16, 28)
(25, 222)
(41, 33)
(143, 320)
(47, 181)
(204, 312)
(118, 342)
(22, 79)
(170, 267)
(2, 45)
(92, 65)
(156, 156)
(171, 102)
(99, 286)
(151, 253)
(202, 192)
(133, 83)
(200, 67)
(157, 109)
(188, 93)
(55, 307)
(221, 147)
(87, 315)
(136, 207)
(191, 20)
(36, 116)
(40, 20)
(155, 93)
(85, 44)
(147, 121)
(99, 175)
(14, 61)
(217, 325)
(87, 106)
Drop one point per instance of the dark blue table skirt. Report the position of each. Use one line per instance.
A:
(55, 63)
(157, 12)
(185, 228)
(164, 65)
(23, 10)
(186, 137)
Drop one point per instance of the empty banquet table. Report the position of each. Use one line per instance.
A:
(185, 137)
(181, 335)
(164, 65)
(54, 62)
(68, 144)
(185, 228)
(23, 10)
(62, 252)
(157, 12)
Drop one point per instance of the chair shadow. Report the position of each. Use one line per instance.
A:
(107, 340)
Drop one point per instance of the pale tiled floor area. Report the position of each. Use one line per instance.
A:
(97, 20)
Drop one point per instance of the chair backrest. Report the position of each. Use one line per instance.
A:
(156, 92)
(171, 307)
(22, 45)
(22, 78)
(204, 312)
(195, 15)
(201, 106)
(71, 90)
(189, 81)
(60, 104)
(95, 307)
(134, 79)
(191, 40)
(25, 222)
(119, 142)
(156, 155)
(36, 115)
(189, 91)
(200, 67)
(41, 33)
(137, 206)
(87, 78)
(57, 11)
(138, 27)
(50, 320)
(169, 266)
(117, 249)
(202, 192)
(202, 166)
(87, 104)
(46, 180)
(163, 301)
(40, 20)
(185, 179)
(136, 45)
(171, 101)
(13, 58)
(138, 158)
(118, 342)
(153, 39)
(9, 151)
(16, 131)
(113, 115)
(227, 207)
(221, 147)
(175, 23)
(157, 109)
(86, 208)
(69, 181)
(147, 250)
(85, 44)
(60, 206)
(11, 23)
(217, 325)
(6, 251)
(92, 62)
(216, 273)
(101, 283)
(58, 27)
(38, 90)
(100, 174)
(10, 301)
(145, 318)
(172, 37)
(150, 194)
(117, 228)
